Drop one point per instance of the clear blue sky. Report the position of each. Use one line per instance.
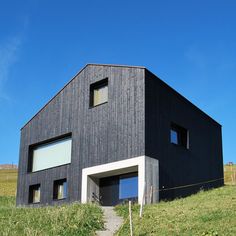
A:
(190, 44)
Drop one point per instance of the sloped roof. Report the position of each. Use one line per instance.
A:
(126, 66)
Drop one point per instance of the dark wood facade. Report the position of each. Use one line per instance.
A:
(134, 122)
(179, 166)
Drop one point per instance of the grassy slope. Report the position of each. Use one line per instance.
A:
(211, 212)
(207, 213)
(8, 182)
(229, 172)
(73, 219)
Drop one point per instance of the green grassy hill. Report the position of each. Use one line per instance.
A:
(66, 220)
(210, 212)
(73, 219)
(206, 213)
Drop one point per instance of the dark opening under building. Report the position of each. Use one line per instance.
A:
(115, 133)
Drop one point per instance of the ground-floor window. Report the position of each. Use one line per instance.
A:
(128, 186)
(119, 188)
(34, 193)
(60, 189)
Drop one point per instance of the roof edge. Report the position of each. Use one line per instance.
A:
(183, 97)
(115, 65)
(54, 96)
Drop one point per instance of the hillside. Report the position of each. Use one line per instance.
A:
(210, 212)
(206, 213)
(8, 179)
(66, 220)
(8, 166)
(73, 219)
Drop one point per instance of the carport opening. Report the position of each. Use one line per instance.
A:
(114, 187)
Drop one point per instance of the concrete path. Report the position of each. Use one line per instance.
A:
(112, 222)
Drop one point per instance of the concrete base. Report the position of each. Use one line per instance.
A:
(148, 178)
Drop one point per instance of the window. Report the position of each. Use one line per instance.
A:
(60, 189)
(128, 186)
(34, 193)
(99, 93)
(50, 154)
(179, 136)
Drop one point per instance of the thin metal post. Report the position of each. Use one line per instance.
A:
(130, 219)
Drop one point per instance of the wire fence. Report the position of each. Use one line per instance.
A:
(149, 195)
(152, 191)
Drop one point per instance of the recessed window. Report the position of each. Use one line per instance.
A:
(174, 136)
(179, 135)
(34, 193)
(51, 154)
(60, 189)
(99, 93)
(128, 186)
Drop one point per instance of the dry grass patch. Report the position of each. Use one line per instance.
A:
(8, 181)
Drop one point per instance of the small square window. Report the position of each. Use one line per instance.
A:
(99, 93)
(60, 189)
(179, 136)
(34, 193)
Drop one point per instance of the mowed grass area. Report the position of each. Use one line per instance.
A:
(71, 219)
(8, 180)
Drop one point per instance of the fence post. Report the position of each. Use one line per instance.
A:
(130, 219)
(143, 198)
(233, 175)
(150, 196)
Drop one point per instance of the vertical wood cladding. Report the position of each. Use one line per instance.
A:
(179, 166)
(110, 132)
(136, 121)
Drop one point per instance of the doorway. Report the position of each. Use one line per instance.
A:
(118, 189)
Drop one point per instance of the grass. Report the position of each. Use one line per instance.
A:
(229, 172)
(206, 213)
(73, 219)
(210, 212)
(8, 179)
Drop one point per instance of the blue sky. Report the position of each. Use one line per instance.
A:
(190, 44)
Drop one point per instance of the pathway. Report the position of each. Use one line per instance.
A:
(112, 222)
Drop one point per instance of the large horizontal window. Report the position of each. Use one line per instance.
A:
(50, 155)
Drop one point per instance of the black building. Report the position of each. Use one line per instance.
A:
(115, 133)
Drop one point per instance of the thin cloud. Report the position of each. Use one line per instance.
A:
(8, 55)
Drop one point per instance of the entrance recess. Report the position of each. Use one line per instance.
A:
(115, 182)
(117, 189)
